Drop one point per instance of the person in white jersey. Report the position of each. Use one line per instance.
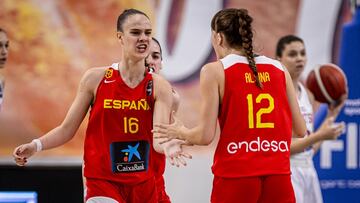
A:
(290, 51)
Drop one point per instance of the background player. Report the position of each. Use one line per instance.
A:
(154, 64)
(290, 50)
(4, 50)
(254, 100)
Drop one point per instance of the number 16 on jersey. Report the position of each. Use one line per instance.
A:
(131, 125)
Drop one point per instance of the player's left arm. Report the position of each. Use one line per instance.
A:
(162, 107)
(176, 101)
(162, 110)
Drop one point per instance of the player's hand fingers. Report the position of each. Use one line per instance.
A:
(340, 129)
(161, 126)
(171, 160)
(330, 120)
(166, 139)
(159, 130)
(177, 162)
(157, 136)
(21, 161)
(181, 160)
(18, 152)
(186, 155)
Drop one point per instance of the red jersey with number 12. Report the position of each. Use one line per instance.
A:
(256, 124)
(118, 138)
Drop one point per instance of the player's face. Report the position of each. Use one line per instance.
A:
(4, 46)
(154, 58)
(294, 58)
(136, 36)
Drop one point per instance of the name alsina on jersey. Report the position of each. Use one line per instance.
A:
(263, 77)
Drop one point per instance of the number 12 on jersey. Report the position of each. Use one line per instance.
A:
(261, 111)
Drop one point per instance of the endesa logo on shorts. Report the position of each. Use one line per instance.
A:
(258, 145)
(129, 157)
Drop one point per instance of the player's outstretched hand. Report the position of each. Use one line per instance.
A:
(330, 130)
(23, 152)
(175, 153)
(167, 132)
(334, 109)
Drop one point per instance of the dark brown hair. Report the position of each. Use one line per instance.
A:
(157, 42)
(124, 15)
(285, 40)
(235, 24)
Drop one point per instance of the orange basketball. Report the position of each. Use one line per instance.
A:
(327, 82)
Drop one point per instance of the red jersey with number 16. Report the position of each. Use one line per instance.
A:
(255, 123)
(118, 138)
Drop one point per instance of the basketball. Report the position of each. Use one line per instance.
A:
(327, 82)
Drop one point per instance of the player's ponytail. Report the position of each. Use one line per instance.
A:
(246, 34)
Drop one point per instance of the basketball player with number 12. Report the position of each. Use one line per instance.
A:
(253, 99)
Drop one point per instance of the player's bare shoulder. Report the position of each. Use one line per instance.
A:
(92, 77)
(160, 80)
(161, 85)
(213, 70)
(216, 65)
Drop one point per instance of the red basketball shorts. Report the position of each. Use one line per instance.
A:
(258, 189)
(160, 187)
(143, 192)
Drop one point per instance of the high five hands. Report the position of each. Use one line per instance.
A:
(170, 138)
(167, 132)
(174, 152)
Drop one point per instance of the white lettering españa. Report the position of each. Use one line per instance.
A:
(258, 145)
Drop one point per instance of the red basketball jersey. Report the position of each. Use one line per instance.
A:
(118, 143)
(256, 124)
(158, 163)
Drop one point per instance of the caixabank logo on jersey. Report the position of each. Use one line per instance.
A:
(129, 157)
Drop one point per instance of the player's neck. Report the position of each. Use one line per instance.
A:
(234, 51)
(296, 86)
(132, 73)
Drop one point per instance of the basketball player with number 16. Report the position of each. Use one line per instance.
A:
(125, 102)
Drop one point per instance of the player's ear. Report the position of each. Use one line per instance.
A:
(219, 38)
(119, 35)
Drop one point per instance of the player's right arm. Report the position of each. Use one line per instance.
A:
(211, 76)
(299, 127)
(75, 115)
